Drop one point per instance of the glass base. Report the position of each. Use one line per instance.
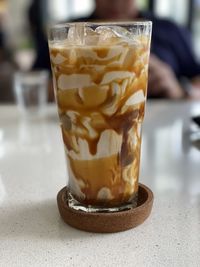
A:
(76, 205)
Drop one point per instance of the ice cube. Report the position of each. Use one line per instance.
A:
(106, 35)
(76, 34)
(91, 37)
(104, 30)
(115, 34)
(80, 34)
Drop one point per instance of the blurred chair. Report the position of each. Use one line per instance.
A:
(6, 82)
(6, 70)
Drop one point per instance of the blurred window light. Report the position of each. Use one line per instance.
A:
(163, 9)
(82, 7)
(66, 9)
(58, 9)
(176, 10)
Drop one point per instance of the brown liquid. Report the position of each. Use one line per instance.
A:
(101, 132)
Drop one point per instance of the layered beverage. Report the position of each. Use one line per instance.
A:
(100, 80)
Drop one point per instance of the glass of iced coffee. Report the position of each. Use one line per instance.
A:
(100, 74)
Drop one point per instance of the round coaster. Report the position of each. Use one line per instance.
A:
(107, 222)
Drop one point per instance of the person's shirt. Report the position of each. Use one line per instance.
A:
(171, 43)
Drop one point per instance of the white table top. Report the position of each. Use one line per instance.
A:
(32, 171)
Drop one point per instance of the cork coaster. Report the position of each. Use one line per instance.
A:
(107, 222)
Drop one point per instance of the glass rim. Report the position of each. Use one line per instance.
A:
(107, 23)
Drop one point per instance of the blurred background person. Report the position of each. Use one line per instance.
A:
(172, 56)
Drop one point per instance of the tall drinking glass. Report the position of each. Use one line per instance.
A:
(100, 74)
